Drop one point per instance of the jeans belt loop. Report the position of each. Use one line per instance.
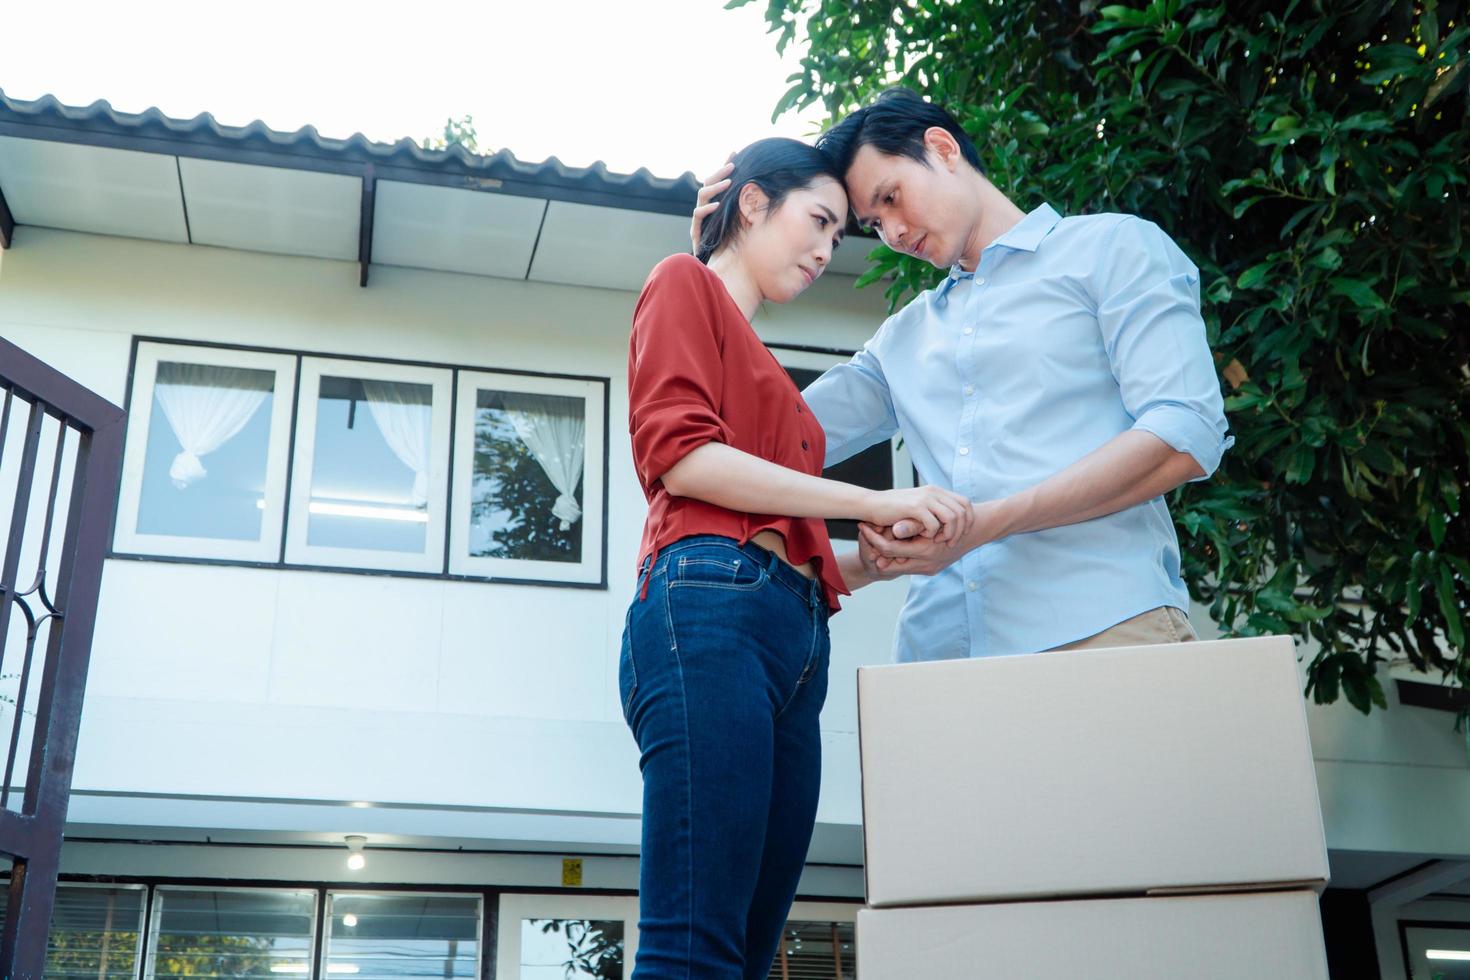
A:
(773, 562)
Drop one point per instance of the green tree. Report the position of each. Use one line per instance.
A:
(207, 955)
(1311, 158)
(594, 949)
(513, 493)
(457, 132)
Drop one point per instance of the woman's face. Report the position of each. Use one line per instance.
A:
(787, 248)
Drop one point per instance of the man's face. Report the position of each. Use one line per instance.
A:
(918, 210)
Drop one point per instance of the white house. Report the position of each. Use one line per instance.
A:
(373, 550)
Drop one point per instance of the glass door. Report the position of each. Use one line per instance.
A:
(566, 937)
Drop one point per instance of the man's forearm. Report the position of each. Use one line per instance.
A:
(1129, 469)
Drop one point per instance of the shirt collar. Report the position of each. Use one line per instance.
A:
(1025, 236)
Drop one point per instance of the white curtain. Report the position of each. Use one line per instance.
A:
(403, 416)
(206, 406)
(556, 433)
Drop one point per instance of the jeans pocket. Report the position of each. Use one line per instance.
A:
(717, 566)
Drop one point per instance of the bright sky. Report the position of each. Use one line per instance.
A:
(671, 85)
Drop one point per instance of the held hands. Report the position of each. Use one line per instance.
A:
(921, 556)
(928, 512)
(902, 549)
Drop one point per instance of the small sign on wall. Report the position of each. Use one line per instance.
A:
(571, 872)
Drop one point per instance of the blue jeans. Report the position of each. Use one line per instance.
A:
(723, 674)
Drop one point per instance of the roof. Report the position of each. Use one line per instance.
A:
(149, 175)
(101, 125)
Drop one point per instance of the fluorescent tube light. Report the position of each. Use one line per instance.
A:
(360, 510)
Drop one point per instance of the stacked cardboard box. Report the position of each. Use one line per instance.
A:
(1139, 813)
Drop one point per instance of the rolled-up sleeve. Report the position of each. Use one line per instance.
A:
(854, 406)
(674, 373)
(1149, 312)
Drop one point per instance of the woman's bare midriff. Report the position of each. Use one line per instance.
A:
(773, 542)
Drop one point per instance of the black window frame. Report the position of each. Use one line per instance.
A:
(443, 574)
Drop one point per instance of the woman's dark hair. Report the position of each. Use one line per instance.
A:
(893, 124)
(777, 166)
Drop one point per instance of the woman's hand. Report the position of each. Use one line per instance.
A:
(941, 514)
(704, 206)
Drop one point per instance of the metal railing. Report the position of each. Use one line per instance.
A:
(57, 420)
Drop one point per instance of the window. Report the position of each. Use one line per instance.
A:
(294, 460)
(817, 944)
(370, 468)
(566, 937)
(205, 470)
(402, 935)
(883, 466)
(1437, 950)
(95, 931)
(522, 482)
(231, 932)
(816, 951)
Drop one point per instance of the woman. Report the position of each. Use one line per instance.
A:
(724, 659)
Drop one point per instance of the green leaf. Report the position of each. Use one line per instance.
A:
(1326, 684)
(1436, 526)
(1355, 687)
(1449, 608)
(1251, 277)
(1123, 15)
(1360, 292)
(1328, 258)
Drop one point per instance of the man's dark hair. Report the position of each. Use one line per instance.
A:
(778, 166)
(893, 124)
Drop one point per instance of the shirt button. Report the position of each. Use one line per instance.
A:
(969, 389)
(804, 445)
(798, 410)
(964, 450)
(971, 586)
(979, 280)
(969, 330)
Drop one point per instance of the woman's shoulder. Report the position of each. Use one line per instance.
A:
(680, 271)
(678, 285)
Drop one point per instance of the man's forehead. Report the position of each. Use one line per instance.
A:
(869, 171)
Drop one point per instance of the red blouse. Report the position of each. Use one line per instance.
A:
(698, 373)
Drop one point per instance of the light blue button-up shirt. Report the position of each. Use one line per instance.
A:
(1069, 332)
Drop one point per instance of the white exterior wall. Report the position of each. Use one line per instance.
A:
(247, 685)
(257, 700)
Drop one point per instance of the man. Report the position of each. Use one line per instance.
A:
(1059, 377)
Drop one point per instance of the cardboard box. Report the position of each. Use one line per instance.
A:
(1140, 770)
(1264, 936)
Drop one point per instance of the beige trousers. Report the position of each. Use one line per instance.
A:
(1162, 625)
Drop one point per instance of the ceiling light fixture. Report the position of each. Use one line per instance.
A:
(355, 859)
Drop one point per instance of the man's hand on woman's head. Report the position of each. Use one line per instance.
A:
(704, 203)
